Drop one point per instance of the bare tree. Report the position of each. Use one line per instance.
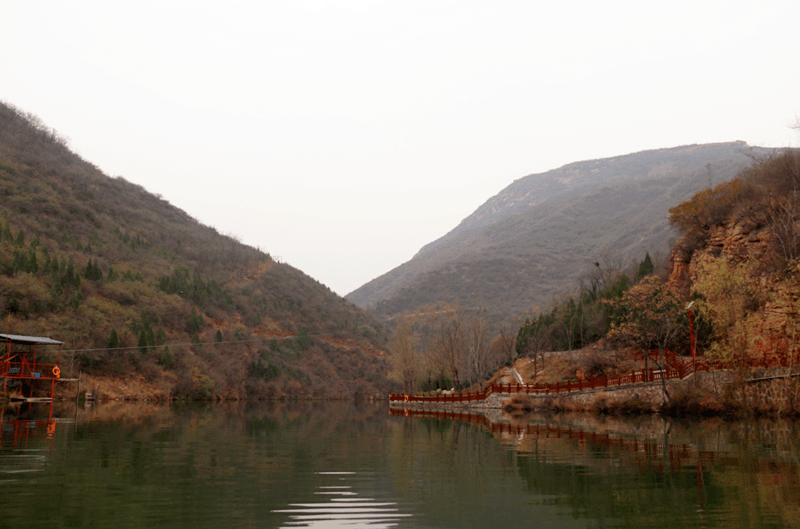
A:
(478, 350)
(449, 345)
(404, 359)
(504, 343)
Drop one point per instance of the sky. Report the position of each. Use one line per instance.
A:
(341, 136)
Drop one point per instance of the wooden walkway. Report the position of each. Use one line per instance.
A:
(676, 371)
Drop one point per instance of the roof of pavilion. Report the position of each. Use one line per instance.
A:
(27, 340)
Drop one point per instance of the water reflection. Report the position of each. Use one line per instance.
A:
(345, 507)
(26, 439)
(648, 471)
(343, 465)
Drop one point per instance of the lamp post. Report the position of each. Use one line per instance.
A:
(692, 336)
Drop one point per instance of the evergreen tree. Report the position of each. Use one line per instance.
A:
(166, 360)
(645, 269)
(70, 278)
(75, 300)
(195, 323)
(142, 343)
(33, 265)
(20, 262)
(146, 336)
(113, 339)
(93, 272)
(54, 267)
(88, 272)
(161, 336)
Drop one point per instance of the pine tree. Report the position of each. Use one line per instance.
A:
(146, 335)
(195, 322)
(142, 343)
(645, 269)
(93, 272)
(33, 265)
(167, 360)
(20, 263)
(75, 300)
(113, 339)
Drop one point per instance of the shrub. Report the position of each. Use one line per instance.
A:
(517, 404)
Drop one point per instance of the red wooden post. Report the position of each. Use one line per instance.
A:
(692, 340)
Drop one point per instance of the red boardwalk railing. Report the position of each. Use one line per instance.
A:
(677, 371)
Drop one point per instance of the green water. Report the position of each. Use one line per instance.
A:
(331, 465)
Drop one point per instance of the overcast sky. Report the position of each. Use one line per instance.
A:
(344, 135)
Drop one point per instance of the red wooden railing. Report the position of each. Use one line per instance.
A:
(29, 370)
(677, 371)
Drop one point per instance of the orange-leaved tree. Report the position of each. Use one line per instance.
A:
(649, 317)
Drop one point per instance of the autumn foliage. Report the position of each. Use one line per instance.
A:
(745, 283)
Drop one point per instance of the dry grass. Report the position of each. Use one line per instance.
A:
(556, 368)
(596, 360)
(518, 405)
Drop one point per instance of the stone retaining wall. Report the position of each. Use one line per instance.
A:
(651, 393)
(778, 396)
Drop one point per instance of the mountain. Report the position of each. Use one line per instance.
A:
(139, 290)
(539, 235)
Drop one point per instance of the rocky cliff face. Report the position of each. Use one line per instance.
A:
(749, 289)
(738, 240)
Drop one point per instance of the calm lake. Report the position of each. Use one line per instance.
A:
(328, 465)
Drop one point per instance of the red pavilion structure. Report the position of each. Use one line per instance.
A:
(21, 360)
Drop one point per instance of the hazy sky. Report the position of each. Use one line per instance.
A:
(344, 135)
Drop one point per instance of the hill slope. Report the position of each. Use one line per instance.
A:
(739, 259)
(129, 281)
(540, 234)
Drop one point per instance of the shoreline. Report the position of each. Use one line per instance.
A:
(710, 394)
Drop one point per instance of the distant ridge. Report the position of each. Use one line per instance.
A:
(535, 238)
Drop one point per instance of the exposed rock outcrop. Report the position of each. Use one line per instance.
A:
(739, 240)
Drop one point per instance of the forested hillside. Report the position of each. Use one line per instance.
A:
(137, 288)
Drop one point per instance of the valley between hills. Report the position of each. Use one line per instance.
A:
(151, 303)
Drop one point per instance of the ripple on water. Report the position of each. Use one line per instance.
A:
(344, 507)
